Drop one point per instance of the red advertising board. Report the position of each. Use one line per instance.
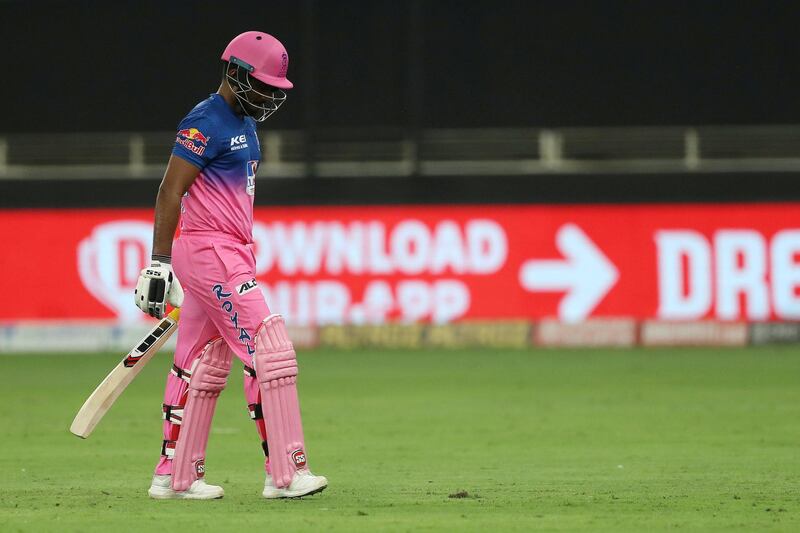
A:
(372, 264)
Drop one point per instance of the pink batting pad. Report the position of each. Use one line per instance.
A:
(276, 369)
(209, 377)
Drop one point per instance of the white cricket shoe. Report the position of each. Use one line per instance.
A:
(161, 489)
(304, 483)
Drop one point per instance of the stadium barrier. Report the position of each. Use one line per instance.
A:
(500, 335)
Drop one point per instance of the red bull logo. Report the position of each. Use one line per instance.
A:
(193, 134)
(192, 139)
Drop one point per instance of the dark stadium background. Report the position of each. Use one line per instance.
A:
(137, 65)
(405, 66)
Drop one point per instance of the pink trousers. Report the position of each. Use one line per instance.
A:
(222, 300)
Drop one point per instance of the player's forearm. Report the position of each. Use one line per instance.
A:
(168, 208)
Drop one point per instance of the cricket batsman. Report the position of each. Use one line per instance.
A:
(209, 185)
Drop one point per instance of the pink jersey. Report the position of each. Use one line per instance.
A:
(224, 146)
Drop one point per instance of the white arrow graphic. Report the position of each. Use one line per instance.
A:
(585, 274)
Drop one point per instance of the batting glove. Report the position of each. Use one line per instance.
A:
(156, 287)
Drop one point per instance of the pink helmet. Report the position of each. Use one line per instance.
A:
(262, 55)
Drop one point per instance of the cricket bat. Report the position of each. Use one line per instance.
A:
(109, 390)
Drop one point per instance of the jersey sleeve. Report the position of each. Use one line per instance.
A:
(195, 141)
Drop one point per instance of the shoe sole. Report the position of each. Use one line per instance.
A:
(291, 496)
(171, 495)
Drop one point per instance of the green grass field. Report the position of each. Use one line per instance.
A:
(596, 440)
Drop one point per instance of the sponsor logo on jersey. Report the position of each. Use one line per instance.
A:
(238, 142)
(252, 167)
(192, 139)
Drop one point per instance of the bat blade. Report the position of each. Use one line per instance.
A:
(104, 396)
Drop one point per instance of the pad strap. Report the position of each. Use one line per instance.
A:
(172, 413)
(168, 448)
(256, 411)
(249, 372)
(178, 372)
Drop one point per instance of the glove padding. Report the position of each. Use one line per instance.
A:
(156, 287)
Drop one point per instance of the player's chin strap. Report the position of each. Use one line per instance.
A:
(208, 378)
(242, 88)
